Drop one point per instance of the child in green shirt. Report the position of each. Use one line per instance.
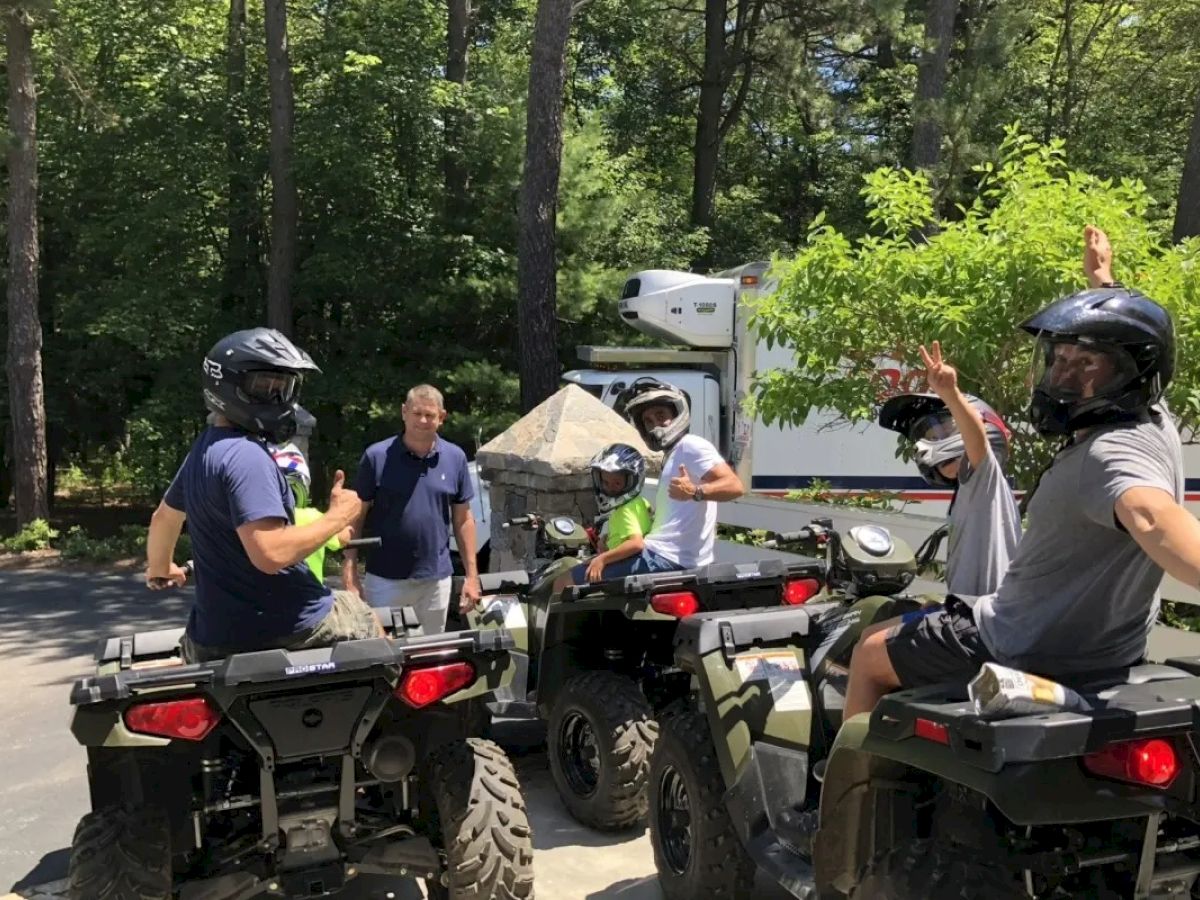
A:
(296, 472)
(618, 474)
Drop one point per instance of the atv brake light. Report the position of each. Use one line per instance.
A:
(1152, 762)
(190, 720)
(932, 731)
(420, 687)
(679, 604)
(798, 591)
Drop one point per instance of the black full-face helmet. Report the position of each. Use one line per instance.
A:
(1102, 355)
(924, 420)
(619, 462)
(647, 392)
(253, 378)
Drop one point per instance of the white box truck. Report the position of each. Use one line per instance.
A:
(713, 357)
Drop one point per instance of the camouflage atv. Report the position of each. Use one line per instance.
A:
(292, 773)
(923, 798)
(598, 662)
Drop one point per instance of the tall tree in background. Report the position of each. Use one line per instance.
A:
(727, 55)
(454, 164)
(240, 252)
(284, 204)
(24, 363)
(1187, 210)
(537, 258)
(926, 148)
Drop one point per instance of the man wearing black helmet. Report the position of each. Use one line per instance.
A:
(253, 589)
(1104, 521)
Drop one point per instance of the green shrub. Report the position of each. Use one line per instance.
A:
(37, 535)
(77, 544)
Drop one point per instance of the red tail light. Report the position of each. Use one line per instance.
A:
(798, 591)
(1151, 762)
(679, 604)
(420, 687)
(189, 720)
(932, 731)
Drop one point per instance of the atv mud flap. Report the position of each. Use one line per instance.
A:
(763, 804)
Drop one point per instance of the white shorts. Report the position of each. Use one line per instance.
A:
(430, 597)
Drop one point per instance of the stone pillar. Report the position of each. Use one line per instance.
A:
(540, 465)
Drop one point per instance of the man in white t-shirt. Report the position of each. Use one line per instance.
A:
(694, 479)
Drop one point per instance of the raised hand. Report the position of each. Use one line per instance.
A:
(941, 377)
(344, 503)
(1097, 257)
(682, 487)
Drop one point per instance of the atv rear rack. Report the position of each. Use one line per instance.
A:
(706, 581)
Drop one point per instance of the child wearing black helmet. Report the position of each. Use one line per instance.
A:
(961, 442)
(618, 474)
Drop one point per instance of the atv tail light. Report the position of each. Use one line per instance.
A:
(798, 591)
(189, 720)
(420, 687)
(932, 731)
(679, 604)
(1151, 762)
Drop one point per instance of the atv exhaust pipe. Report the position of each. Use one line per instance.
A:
(389, 757)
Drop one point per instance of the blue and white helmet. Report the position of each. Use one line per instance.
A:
(295, 469)
(617, 459)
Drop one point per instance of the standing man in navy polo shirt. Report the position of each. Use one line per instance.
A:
(414, 486)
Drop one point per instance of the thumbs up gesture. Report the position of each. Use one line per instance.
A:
(682, 487)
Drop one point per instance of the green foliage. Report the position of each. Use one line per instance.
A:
(1012, 250)
(128, 543)
(821, 491)
(37, 535)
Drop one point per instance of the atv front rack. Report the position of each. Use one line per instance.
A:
(762, 576)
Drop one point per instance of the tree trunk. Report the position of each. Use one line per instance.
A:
(1187, 212)
(454, 167)
(931, 84)
(27, 407)
(707, 149)
(536, 256)
(284, 205)
(241, 200)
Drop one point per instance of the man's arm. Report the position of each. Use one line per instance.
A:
(721, 483)
(970, 426)
(165, 525)
(464, 536)
(1097, 257)
(274, 544)
(350, 579)
(1167, 532)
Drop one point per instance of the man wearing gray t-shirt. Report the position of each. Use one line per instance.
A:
(1105, 520)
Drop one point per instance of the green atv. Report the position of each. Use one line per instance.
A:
(290, 774)
(597, 663)
(923, 798)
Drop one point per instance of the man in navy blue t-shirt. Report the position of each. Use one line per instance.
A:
(253, 590)
(414, 487)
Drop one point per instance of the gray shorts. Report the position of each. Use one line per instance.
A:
(350, 619)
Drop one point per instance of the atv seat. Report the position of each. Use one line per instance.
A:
(1146, 673)
(144, 645)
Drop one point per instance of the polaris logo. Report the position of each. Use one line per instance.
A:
(310, 668)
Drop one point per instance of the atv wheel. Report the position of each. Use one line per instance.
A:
(481, 818)
(930, 870)
(121, 853)
(601, 735)
(696, 851)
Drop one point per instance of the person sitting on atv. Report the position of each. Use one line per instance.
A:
(1104, 520)
(618, 474)
(961, 442)
(296, 473)
(253, 590)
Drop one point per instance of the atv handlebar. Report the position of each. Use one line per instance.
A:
(530, 522)
(356, 543)
(775, 538)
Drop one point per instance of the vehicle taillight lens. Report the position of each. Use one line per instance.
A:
(190, 720)
(420, 687)
(1152, 762)
(679, 604)
(798, 591)
(932, 731)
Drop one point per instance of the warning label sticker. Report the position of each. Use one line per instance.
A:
(781, 670)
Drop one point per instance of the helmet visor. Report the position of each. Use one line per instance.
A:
(1075, 370)
(612, 484)
(934, 426)
(270, 387)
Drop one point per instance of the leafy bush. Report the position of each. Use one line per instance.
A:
(37, 535)
(820, 491)
(1013, 250)
(77, 544)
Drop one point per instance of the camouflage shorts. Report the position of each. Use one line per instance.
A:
(350, 619)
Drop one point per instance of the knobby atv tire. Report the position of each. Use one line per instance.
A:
(622, 723)
(481, 816)
(931, 870)
(717, 865)
(121, 853)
